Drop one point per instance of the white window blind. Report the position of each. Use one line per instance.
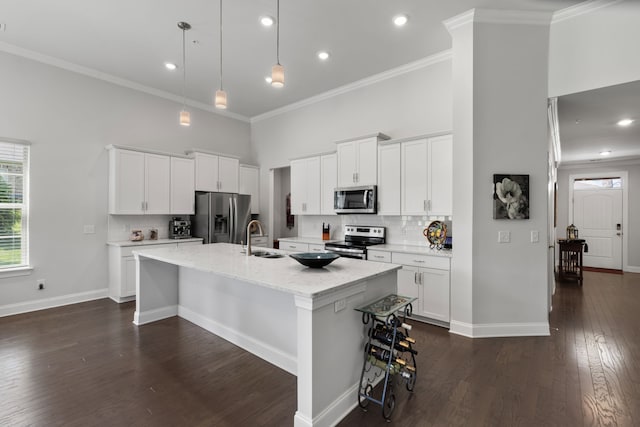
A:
(14, 197)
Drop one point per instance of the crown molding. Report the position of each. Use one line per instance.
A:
(581, 9)
(376, 78)
(594, 163)
(459, 20)
(90, 72)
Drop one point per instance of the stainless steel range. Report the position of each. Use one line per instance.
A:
(356, 240)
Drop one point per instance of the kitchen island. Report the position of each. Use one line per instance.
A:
(300, 319)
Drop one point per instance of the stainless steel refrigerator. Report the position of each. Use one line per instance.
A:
(221, 217)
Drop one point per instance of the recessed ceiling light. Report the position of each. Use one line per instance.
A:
(625, 122)
(400, 20)
(605, 153)
(267, 21)
(323, 55)
(170, 66)
(268, 79)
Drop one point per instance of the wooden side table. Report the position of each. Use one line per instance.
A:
(571, 259)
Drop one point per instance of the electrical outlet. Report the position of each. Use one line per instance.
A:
(89, 229)
(40, 283)
(504, 236)
(340, 305)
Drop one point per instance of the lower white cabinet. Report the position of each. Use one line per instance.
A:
(122, 268)
(294, 247)
(426, 278)
(259, 241)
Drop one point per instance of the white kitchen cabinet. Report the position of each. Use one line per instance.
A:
(259, 241)
(122, 267)
(139, 183)
(305, 186)
(414, 177)
(216, 173)
(294, 247)
(379, 256)
(357, 161)
(426, 176)
(440, 175)
(428, 279)
(389, 179)
(312, 247)
(328, 182)
(182, 186)
(249, 183)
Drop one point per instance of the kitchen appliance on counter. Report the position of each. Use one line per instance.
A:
(179, 228)
(353, 200)
(221, 217)
(356, 240)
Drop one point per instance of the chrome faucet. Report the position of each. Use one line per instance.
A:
(251, 224)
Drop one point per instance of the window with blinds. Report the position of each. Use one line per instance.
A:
(14, 174)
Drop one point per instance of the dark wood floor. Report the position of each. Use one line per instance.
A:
(88, 365)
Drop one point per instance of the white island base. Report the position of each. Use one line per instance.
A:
(300, 319)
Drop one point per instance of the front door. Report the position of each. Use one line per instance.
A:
(597, 213)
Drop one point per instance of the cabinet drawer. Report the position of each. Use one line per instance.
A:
(441, 263)
(294, 247)
(380, 256)
(316, 248)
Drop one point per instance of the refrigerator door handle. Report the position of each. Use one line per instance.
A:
(235, 220)
(231, 221)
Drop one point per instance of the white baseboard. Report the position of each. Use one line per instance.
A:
(44, 303)
(490, 330)
(632, 269)
(144, 317)
(271, 354)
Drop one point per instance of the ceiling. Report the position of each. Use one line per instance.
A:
(588, 124)
(129, 41)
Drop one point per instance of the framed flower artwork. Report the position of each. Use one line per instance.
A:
(510, 196)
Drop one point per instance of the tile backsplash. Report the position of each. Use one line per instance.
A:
(120, 226)
(401, 230)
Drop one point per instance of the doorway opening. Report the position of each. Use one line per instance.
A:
(598, 207)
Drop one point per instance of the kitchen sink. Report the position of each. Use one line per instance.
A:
(264, 254)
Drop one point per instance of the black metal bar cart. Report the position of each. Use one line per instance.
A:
(388, 353)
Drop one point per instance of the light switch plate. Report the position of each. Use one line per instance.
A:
(340, 305)
(89, 229)
(504, 236)
(535, 236)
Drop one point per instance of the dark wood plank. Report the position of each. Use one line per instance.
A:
(87, 364)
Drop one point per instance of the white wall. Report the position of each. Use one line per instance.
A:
(632, 228)
(595, 49)
(415, 103)
(69, 118)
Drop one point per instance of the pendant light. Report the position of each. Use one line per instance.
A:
(185, 116)
(221, 95)
(277, 71)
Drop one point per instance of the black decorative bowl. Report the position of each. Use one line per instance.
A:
(315, 259)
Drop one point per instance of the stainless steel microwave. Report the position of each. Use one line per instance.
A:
(356, 200)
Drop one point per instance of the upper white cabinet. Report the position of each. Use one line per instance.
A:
(357, 161)
(216, 173)
(305, 186)
(328, 182)
(389, 179)
(182, 186)
(426, 176)
(249, 183)
(441, 175)
(139, 183)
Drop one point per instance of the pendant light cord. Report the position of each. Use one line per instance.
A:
(278, 32)
(184, 71)
(221, 45)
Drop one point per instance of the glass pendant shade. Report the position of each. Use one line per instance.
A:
(185, 118)
(277, 76)
(221, 99)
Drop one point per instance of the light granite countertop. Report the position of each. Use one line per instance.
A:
(153, 242)
(413, 249)
(283, 274)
